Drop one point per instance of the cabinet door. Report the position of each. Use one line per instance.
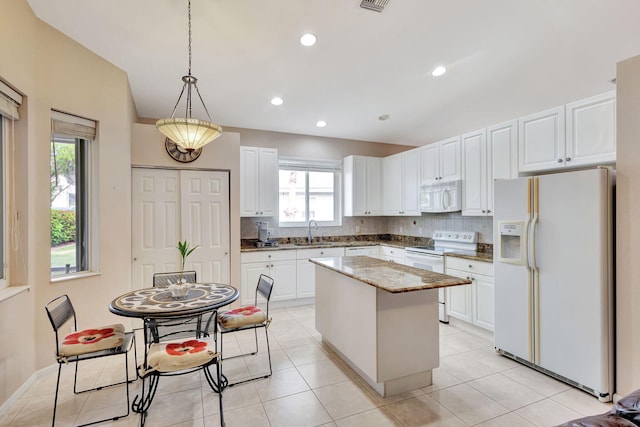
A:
(541, 141)
(411, 183)
(392, 184)
(483, 301)
(474, 185)
(249, 172)
(430, 163)
(374, 186)
(502, 143)
(306, 279)
(459, 298)
(249, 273)
(450, 159)
(268, 182)
(284, 280)
(591, 130)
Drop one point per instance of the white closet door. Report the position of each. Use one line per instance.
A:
(205, 222)
(172, 205)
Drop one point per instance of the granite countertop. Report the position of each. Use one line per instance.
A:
(388, 276)
(479, 256)
(341, 244)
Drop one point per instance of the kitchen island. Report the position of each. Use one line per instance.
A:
(381, 318)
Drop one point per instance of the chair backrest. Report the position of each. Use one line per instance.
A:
(60, 310)
(165, 279)
(264, 288)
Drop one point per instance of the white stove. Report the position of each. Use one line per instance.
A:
(432, 257)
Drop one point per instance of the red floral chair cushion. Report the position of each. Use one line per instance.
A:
(242, 316)
(178, 355)
(90, 340)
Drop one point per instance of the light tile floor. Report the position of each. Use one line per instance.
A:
(311, 386)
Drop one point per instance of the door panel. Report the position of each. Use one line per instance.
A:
(172, 205)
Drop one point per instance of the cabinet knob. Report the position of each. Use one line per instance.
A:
(488, 210)
(470, 266)
(321, 253)
(559, 160)
(483, 211)
(257, 213)
(568, 159)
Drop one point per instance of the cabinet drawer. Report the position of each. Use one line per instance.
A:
(467, 265)
(362, 250)
(319, 253)
(263, 256)
(391, 251)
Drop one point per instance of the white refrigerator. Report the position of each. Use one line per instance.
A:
(553, 267)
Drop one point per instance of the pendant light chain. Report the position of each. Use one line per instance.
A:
(188, 133)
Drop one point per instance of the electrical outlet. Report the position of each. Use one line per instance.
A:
(357, 229)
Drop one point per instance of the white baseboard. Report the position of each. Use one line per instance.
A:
(8, 404)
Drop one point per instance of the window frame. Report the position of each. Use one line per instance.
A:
(86, 237)
(306, 166)
(4, 283)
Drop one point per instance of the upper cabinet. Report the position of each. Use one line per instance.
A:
(487, 154)
(258, 182)
(362, 186)
(579, 134)
(440, 161)
(401, 184)
(591, 130)
(476, 173)
(541, 140)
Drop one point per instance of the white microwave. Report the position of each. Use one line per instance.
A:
(441, 197)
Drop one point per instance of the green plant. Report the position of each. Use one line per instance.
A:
(63, 227)
(185, 250)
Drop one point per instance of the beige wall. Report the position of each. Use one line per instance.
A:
(308, 146)
(147, 149)
(628, 226)
(53, 71)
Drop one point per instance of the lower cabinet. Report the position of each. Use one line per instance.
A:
(306, 271)
(293, 274)
(278, 264)
(371, 251)
(392, 253)
(472, 303)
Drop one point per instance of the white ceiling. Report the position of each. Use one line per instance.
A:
(505, 58)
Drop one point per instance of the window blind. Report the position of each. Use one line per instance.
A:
(70, 125)
(307, 165)
(10, 100)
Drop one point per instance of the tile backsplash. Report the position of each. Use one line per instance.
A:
(419, 226)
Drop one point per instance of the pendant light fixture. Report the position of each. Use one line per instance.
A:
(187, 132)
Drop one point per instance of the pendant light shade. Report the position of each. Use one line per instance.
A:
(187, 132)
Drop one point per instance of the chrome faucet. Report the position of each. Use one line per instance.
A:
(309, 236)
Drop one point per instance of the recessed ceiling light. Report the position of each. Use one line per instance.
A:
(438, 71)
(308, 39)
(276, 100)
(321, 124)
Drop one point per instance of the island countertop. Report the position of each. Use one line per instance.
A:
(388, 276)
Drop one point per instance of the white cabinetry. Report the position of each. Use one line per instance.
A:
(591, 131)
(487, 155)
(391, 253)
(306, 271)
(401, 184)
(258, 181)
(371, 251)
(472, 303)
(362, 186)
(441, 161)
(278, 264)
(589, 138)
(541, 140)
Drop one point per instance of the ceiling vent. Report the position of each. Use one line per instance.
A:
(377, 5)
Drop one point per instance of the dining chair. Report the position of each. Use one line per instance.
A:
(201, 324)
(246, 318)
(81, 345)
(165, 279)
(176, 346)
